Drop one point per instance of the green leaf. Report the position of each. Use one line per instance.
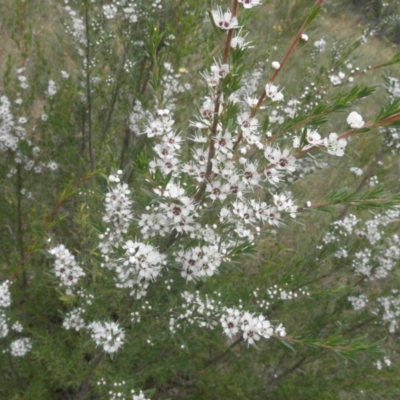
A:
(314, 12)
(288, 345)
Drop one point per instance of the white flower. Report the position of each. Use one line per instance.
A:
(335, 80)
(335, 146)
(250, 174)
(244, 212)
(282, 160)
(51, 89)
(207, 109)
(250, 3)
(223, 142)
(230, 322)
(320, 44)
(265, 328)
(356, 170)
(223, 165)
(220, 71)
(272, 175)
(273, 216)
(271, 91)
(355, 120)
(275, 65)
(238, 41)
(304, 37)
(218, 190)
(313, 137)
(247, 124)
(224, 20)
(280, 330)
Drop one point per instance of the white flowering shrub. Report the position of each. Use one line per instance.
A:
(166, 172)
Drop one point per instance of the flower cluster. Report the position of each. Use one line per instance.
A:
(14, 137)
(196, 310)
(5, 297)
(199, 261)
(108, 335)
(118, 391)
(378, 257)
(74, 320)
(358, 302)
(20, 347)
(391, 309)
(207, 312)
(3, 324)
(118, 213)
(142, 261)
(66, 267)
(235, 321)
(378, 254)
(386, 362)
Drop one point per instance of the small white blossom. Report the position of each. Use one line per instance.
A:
(224, 20)
(51, 89)
(250, 3)
(355, 120)
(275, 65)
(335, 146)
(272, 92)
